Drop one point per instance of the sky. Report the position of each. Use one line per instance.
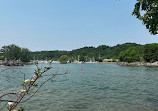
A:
(70, 24)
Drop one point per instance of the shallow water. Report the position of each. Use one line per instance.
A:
(98, 87)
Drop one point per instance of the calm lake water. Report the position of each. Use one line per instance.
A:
(98, 87)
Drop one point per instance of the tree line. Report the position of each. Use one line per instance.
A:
(14, 52)
(127, 52)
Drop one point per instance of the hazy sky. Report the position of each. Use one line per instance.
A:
(70, 24)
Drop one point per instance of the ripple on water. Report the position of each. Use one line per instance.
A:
(99, 87)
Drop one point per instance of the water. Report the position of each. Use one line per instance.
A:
(99, 87)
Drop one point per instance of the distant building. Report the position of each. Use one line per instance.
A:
(108, 60)
(105, 60)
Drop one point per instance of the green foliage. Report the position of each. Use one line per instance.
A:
(1, 56)
(83, 58)
(35, 85)
(132, 54)
(86, 53)
(121, 47)
(127, 52)
(149, 8)
(121, 56)
(151, 52)
(25, 55)
(63, 59)
(43, 55)
(14, 52)
(11, 52)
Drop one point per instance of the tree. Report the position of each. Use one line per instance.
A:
(1, 56)
(83, 58)
(11, 52)
(151, 52)
(63, 59)
(25, 55)
(150, 17)
(86, 53)
(14, 52)
(121, 56)
(132, 54)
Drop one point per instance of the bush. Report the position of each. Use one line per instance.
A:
(63, 59)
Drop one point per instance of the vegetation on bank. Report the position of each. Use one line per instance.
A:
(14, 52)
(127, 52)
(63, 59)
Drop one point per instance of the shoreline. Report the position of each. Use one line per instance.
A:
(14, 63)
(20, 63)
(138, 64)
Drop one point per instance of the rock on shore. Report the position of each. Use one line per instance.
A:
(11, 63)
(138, 63)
